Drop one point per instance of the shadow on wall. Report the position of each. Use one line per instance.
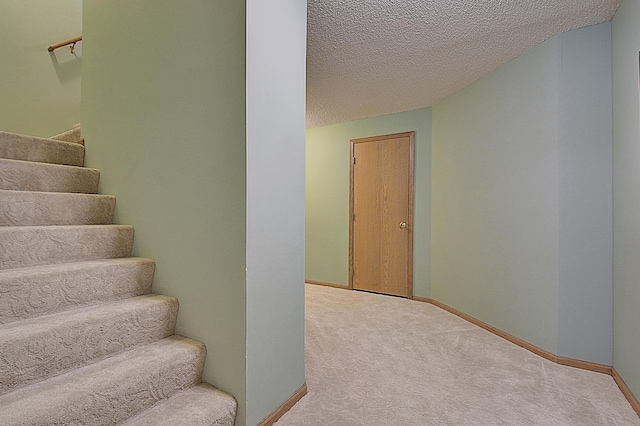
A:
(67, 63)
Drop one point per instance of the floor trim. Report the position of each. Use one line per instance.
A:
(626, 391)
(284, 407)
(322, 283)
(511, 338)
(571, 362)
(585, 365)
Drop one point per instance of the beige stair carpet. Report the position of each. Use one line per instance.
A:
(72, 135)
(110, 391)
(29, 208)
(378, 360)
(23, 175)
(25, 246)
(83, 340)
(50, 289)
(31, 148)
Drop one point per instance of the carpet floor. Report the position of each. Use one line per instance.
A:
(380, 360)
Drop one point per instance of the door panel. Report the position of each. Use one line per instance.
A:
(381, 201)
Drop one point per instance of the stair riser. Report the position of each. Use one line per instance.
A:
(26, 176)
(110, 391)
(82, 342)
(26, 208)
(28, 293)
(33, 246)
(30, 148)
(74, 135)
(38, 349)
(214, 408)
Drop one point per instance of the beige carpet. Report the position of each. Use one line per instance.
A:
(83, 341)
(379, 360)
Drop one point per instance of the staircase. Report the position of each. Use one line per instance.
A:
(83, 341)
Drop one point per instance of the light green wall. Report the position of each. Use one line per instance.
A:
(276, 60)
(585, 150)
(626, 182)
(40, 90)
(327, 174)
(522, 217)
(163, 104)
(495, 201)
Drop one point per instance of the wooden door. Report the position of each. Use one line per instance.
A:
(381, 211)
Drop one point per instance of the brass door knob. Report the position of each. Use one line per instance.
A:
(403, 225)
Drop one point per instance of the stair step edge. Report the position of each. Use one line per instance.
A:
(73, 135)
(14, 192)
(44, 322)
(71, 285)
(43, 177)
(42, 245)
(39, 348)
(74, 265)
(14, 146)
(33, 208)
(201, 405)
(109, 391)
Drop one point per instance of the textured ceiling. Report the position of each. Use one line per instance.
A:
(372, 57)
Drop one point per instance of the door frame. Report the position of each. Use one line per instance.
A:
(411, 176)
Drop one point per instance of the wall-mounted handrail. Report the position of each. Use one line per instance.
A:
(71, 41)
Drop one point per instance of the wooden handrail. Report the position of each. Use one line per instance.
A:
(71, 41)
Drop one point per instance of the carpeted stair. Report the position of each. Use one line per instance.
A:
(83, 341)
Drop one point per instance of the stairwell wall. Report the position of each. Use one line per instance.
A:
(163, 110)
(522, 195)
(626, 201)
(276, 62)
(40, 90)
(495, 201)
(585, 199)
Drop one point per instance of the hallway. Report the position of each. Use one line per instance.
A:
(380, 360)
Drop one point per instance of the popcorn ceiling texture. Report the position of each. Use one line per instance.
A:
(375, 57)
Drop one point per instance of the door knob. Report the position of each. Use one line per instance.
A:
(403, 225)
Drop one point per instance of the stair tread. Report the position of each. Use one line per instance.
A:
(47, 289)
(38, 348)
(25, 246)
(73, 135)
(37, 149)
(201, 405)
(71, 265)
(79, 195)
(32, 176)
(109, 391)
(80, 315)
(32, 208)
(82, 339)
